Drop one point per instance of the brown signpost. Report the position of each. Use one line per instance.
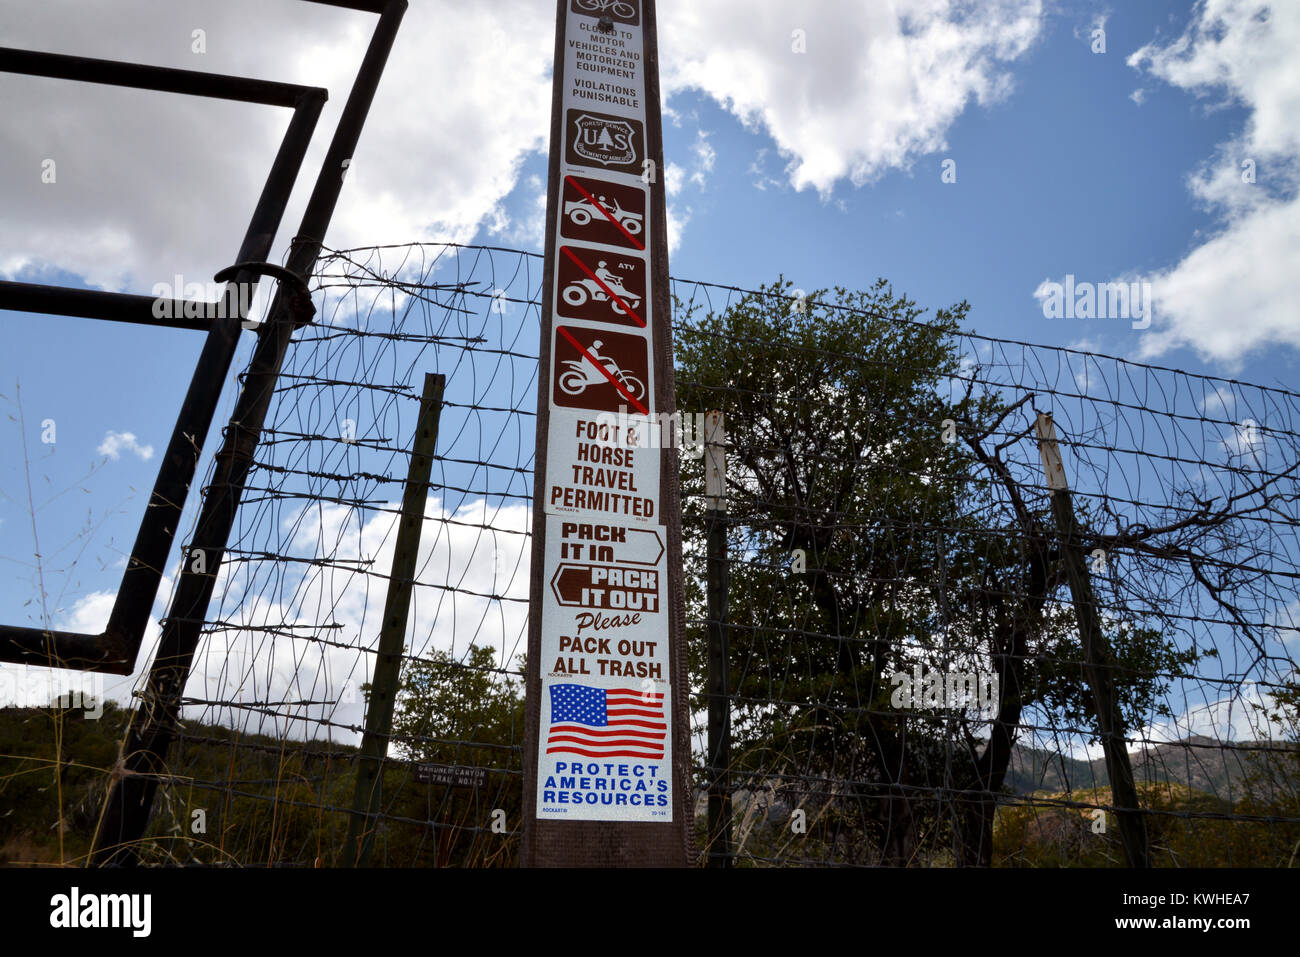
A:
(607, 750)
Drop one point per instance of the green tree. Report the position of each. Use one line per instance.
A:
(871, 529)
(469, 713)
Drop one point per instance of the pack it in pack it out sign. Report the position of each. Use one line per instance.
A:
(597, 139)
(604, 567)
(603, 613)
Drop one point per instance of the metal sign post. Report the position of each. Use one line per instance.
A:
(606, 767)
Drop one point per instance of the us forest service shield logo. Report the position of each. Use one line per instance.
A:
(607, 140)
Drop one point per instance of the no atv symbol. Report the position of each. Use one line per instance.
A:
(600, 287)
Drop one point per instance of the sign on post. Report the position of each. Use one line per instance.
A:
(451, 775)
(606, 752)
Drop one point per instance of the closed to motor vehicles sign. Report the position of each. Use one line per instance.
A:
(606, 741)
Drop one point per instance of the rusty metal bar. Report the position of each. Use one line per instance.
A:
(129, 803)
(116, 649)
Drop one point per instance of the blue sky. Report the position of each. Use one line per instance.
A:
(824, 166)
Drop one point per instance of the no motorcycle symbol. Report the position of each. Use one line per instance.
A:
(600, 287)
(603, 371)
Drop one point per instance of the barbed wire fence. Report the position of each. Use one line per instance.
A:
(869, 562)
(908, 680)
(298, 607)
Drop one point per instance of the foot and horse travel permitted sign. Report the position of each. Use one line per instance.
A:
(606, 752)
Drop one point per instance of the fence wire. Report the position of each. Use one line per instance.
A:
(908, 685)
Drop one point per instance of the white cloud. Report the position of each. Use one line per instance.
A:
(705, 157)
(1240, 716)
(1098, 22)
(674, 178)
(1219, 401)
(465, 98)
(1138, 96)
(1235, 293)
(151, 185)
(270, 653)
(1087, 370)
(757, 168)
(88, 616)
(879, 84)
(529, 232)
(1244, 443)
(115, 443)
(1286, 623)
(678, 218)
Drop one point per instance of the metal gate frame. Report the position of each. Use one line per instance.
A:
(114, 651)
(117, 648)
(142, 765)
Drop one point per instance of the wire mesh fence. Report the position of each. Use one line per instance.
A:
(921, 626)
(930, 638)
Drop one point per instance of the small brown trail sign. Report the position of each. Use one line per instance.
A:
(607, 758)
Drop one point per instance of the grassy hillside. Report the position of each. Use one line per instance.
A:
(263, 801)
(267, 802)
(1188, 829)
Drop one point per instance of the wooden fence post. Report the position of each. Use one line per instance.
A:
(720, 853)
(388, 663)
(1099, 661)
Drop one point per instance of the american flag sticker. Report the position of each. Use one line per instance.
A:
(604, 753)
(606, 722)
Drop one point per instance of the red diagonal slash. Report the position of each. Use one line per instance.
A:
(608, 215)
(603, 371)
(601, 283)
